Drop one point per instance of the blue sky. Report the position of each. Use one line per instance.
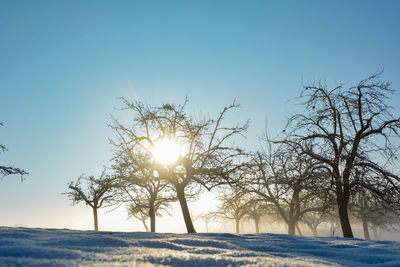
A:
(64, 63)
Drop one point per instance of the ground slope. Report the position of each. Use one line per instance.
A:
(54, 247)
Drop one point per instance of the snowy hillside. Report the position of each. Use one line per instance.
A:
(53, 247)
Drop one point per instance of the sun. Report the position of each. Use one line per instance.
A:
(166, 151)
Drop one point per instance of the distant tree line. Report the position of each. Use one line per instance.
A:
(335, 161)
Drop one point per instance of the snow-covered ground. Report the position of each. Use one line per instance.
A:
(55, 247)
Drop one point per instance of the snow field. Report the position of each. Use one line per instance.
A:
(62, 247)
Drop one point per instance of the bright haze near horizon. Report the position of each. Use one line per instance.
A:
(64, 63)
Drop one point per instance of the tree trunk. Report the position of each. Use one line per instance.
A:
(379, 229)
(145, 226)
(365, 228)
(375, 232)
(298, 229)
(185, 210)
(96, 224)
(152, 215)
(314, 231)
(344, 218)
(237, 226)
(333, 229)
(206, 226)
(256, 222)
(291, 227)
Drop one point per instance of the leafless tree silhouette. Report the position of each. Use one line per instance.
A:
(345, 128)
(206, 158)
(140, 214)
(207, 218)
(138, 185)
(368, 207)
(256, 209)
(95, 192)
(314, 219)
(234, 206)
(289, 181)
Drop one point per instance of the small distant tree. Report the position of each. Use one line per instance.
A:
(140, 214)
(138, 185)
(234, 206)
(207, 218)
(256, 209)
(370, 208)
(385, 220)
(287, 180)
(94, 192)
(313, 220)
(361, 206)
(8, 170)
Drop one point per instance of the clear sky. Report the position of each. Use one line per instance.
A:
(64, 63)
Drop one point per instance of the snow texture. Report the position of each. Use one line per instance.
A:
(62, 247)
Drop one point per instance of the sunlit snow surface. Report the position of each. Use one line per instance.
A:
(53, 247)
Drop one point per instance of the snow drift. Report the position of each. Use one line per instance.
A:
(62, 247)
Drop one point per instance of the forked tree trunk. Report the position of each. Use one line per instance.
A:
(185, 210)
(365, 228)
(152, 215)
(96, 224)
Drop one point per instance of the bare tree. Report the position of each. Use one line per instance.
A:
(257, 208)
(386, 219)
(313, 220)
(140, 214)
(8, 170)
(361, 206)
(204, 155)
(96, 192)
(344, 129)
(289, 181)
(234, 206)
(207, 218)
(138, 185)
(369, 207)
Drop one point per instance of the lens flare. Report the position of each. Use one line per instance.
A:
(166, 151)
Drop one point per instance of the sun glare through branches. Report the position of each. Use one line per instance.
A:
(166, 151)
